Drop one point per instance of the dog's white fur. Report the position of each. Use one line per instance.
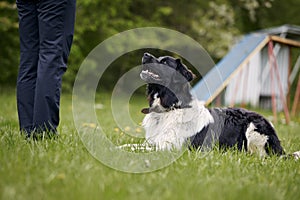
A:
(172, 129)
(256, 141)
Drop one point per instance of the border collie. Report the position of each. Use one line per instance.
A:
(175, 119)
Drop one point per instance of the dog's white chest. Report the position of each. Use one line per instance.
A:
(171, 129)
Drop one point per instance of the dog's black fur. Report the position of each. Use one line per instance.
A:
(235, 122)
(173, 82)
(168, 79)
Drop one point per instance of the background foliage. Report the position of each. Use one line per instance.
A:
(214, 24)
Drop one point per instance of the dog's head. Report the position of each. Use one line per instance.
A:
(168, 83)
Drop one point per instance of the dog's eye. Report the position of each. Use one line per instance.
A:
(164, 61)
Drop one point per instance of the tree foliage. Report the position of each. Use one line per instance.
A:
(9, 42)
(214, 24)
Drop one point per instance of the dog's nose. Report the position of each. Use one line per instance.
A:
(147, 58)
(146, 55)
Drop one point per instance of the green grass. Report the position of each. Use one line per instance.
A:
(63, 169)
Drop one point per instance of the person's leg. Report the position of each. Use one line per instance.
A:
(69, 23)
(29, 50)
(56, 19)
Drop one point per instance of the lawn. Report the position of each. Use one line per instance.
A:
(62, 168)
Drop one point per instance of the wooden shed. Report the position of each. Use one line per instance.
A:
(257, 71)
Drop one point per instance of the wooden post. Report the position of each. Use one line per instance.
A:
(270, 52)
(296, 99)
(282, 97)
(219, 100)
(288, 97)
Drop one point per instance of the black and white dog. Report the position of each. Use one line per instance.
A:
(175, 119)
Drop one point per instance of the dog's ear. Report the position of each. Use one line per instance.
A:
(184, 70)
(178, 61)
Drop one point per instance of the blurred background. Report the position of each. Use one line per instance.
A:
(217, 25)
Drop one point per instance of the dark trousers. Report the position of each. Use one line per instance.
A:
(46, 29)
